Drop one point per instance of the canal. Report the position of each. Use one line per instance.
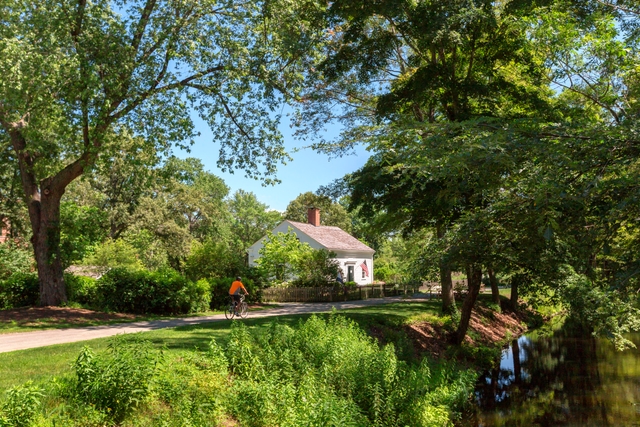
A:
(560, 380)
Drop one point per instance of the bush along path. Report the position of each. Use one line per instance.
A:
(25, 340)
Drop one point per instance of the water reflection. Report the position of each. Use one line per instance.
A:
(560, 381)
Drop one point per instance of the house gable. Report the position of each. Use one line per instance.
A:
(350, 252)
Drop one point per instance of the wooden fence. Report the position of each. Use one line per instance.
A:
(335, 293)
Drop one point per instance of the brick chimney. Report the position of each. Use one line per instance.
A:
(313, 214)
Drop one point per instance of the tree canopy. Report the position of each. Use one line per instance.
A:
(76, 75)
(508, 128)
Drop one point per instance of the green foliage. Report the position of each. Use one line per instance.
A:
(81, 228)
(14, 259)
(101, 79)
(323, 371)
(281, 255)
(220, 291)
(251, 219)
(284, 258)
(331, 213)
(20, 290)
(596, 309)
(21, 405)
(161, 292)
(332, 373)
(212, 259)
(194, 388)
(113, 254)
(149, 249)
(81, 289)
(317, 268)
(118, 380)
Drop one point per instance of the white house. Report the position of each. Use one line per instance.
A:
(355, 258)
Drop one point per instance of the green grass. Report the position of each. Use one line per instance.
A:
(40, 364)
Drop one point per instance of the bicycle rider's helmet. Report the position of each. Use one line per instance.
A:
(238, 279)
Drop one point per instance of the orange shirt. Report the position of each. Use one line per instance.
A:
(235, 287)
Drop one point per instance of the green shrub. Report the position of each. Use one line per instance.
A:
(198, 295)
(114, 254)
(14, 259)
(118, 380)
(161, 292)
(21, 405)
(212, 259)
(19, 290)
(81, 289)
(195, 388)
(332, 373)
(220, 291)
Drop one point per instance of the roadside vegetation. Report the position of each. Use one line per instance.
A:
(358, 367)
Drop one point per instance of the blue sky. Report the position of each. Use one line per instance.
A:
(308, 170)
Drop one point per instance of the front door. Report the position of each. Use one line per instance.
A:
(350, 276)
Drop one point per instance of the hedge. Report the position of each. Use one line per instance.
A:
(19, 290)
(159, 292)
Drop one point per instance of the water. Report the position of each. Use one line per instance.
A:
(560, 381)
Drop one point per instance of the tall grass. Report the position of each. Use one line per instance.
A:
(319, 372)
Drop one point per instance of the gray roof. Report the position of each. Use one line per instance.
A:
(332, 238)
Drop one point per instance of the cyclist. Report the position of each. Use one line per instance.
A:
(235, 292)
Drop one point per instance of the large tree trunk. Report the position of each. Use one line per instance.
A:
(448, 298)
(474, 279)
(515, 282)
(43, 201)
(46, 247)
(495, 292)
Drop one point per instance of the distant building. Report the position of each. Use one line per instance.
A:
(354, 257)
(95, 272)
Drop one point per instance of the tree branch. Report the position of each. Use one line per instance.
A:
(77, 27)
(142, 25)
(154, 91)
(233, 118)
(616, 7)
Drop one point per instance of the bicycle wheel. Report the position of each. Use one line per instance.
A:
(243, 309)
(229, 312)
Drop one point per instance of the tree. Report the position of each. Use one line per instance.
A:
(13, 214)
(509, 127)
(81, 228)
(123, 174)
(251, 219)
(403, 70)
(330, 213)
(284, 258)
(76, 73)
(318, 267)
(195, 198)
(281, 255)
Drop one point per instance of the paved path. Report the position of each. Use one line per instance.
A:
(24, 340)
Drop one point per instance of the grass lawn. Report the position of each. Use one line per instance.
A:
(40, 364)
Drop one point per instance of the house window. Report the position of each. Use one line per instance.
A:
(363, 273)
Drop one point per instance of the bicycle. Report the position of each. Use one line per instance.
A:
(242, 309)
